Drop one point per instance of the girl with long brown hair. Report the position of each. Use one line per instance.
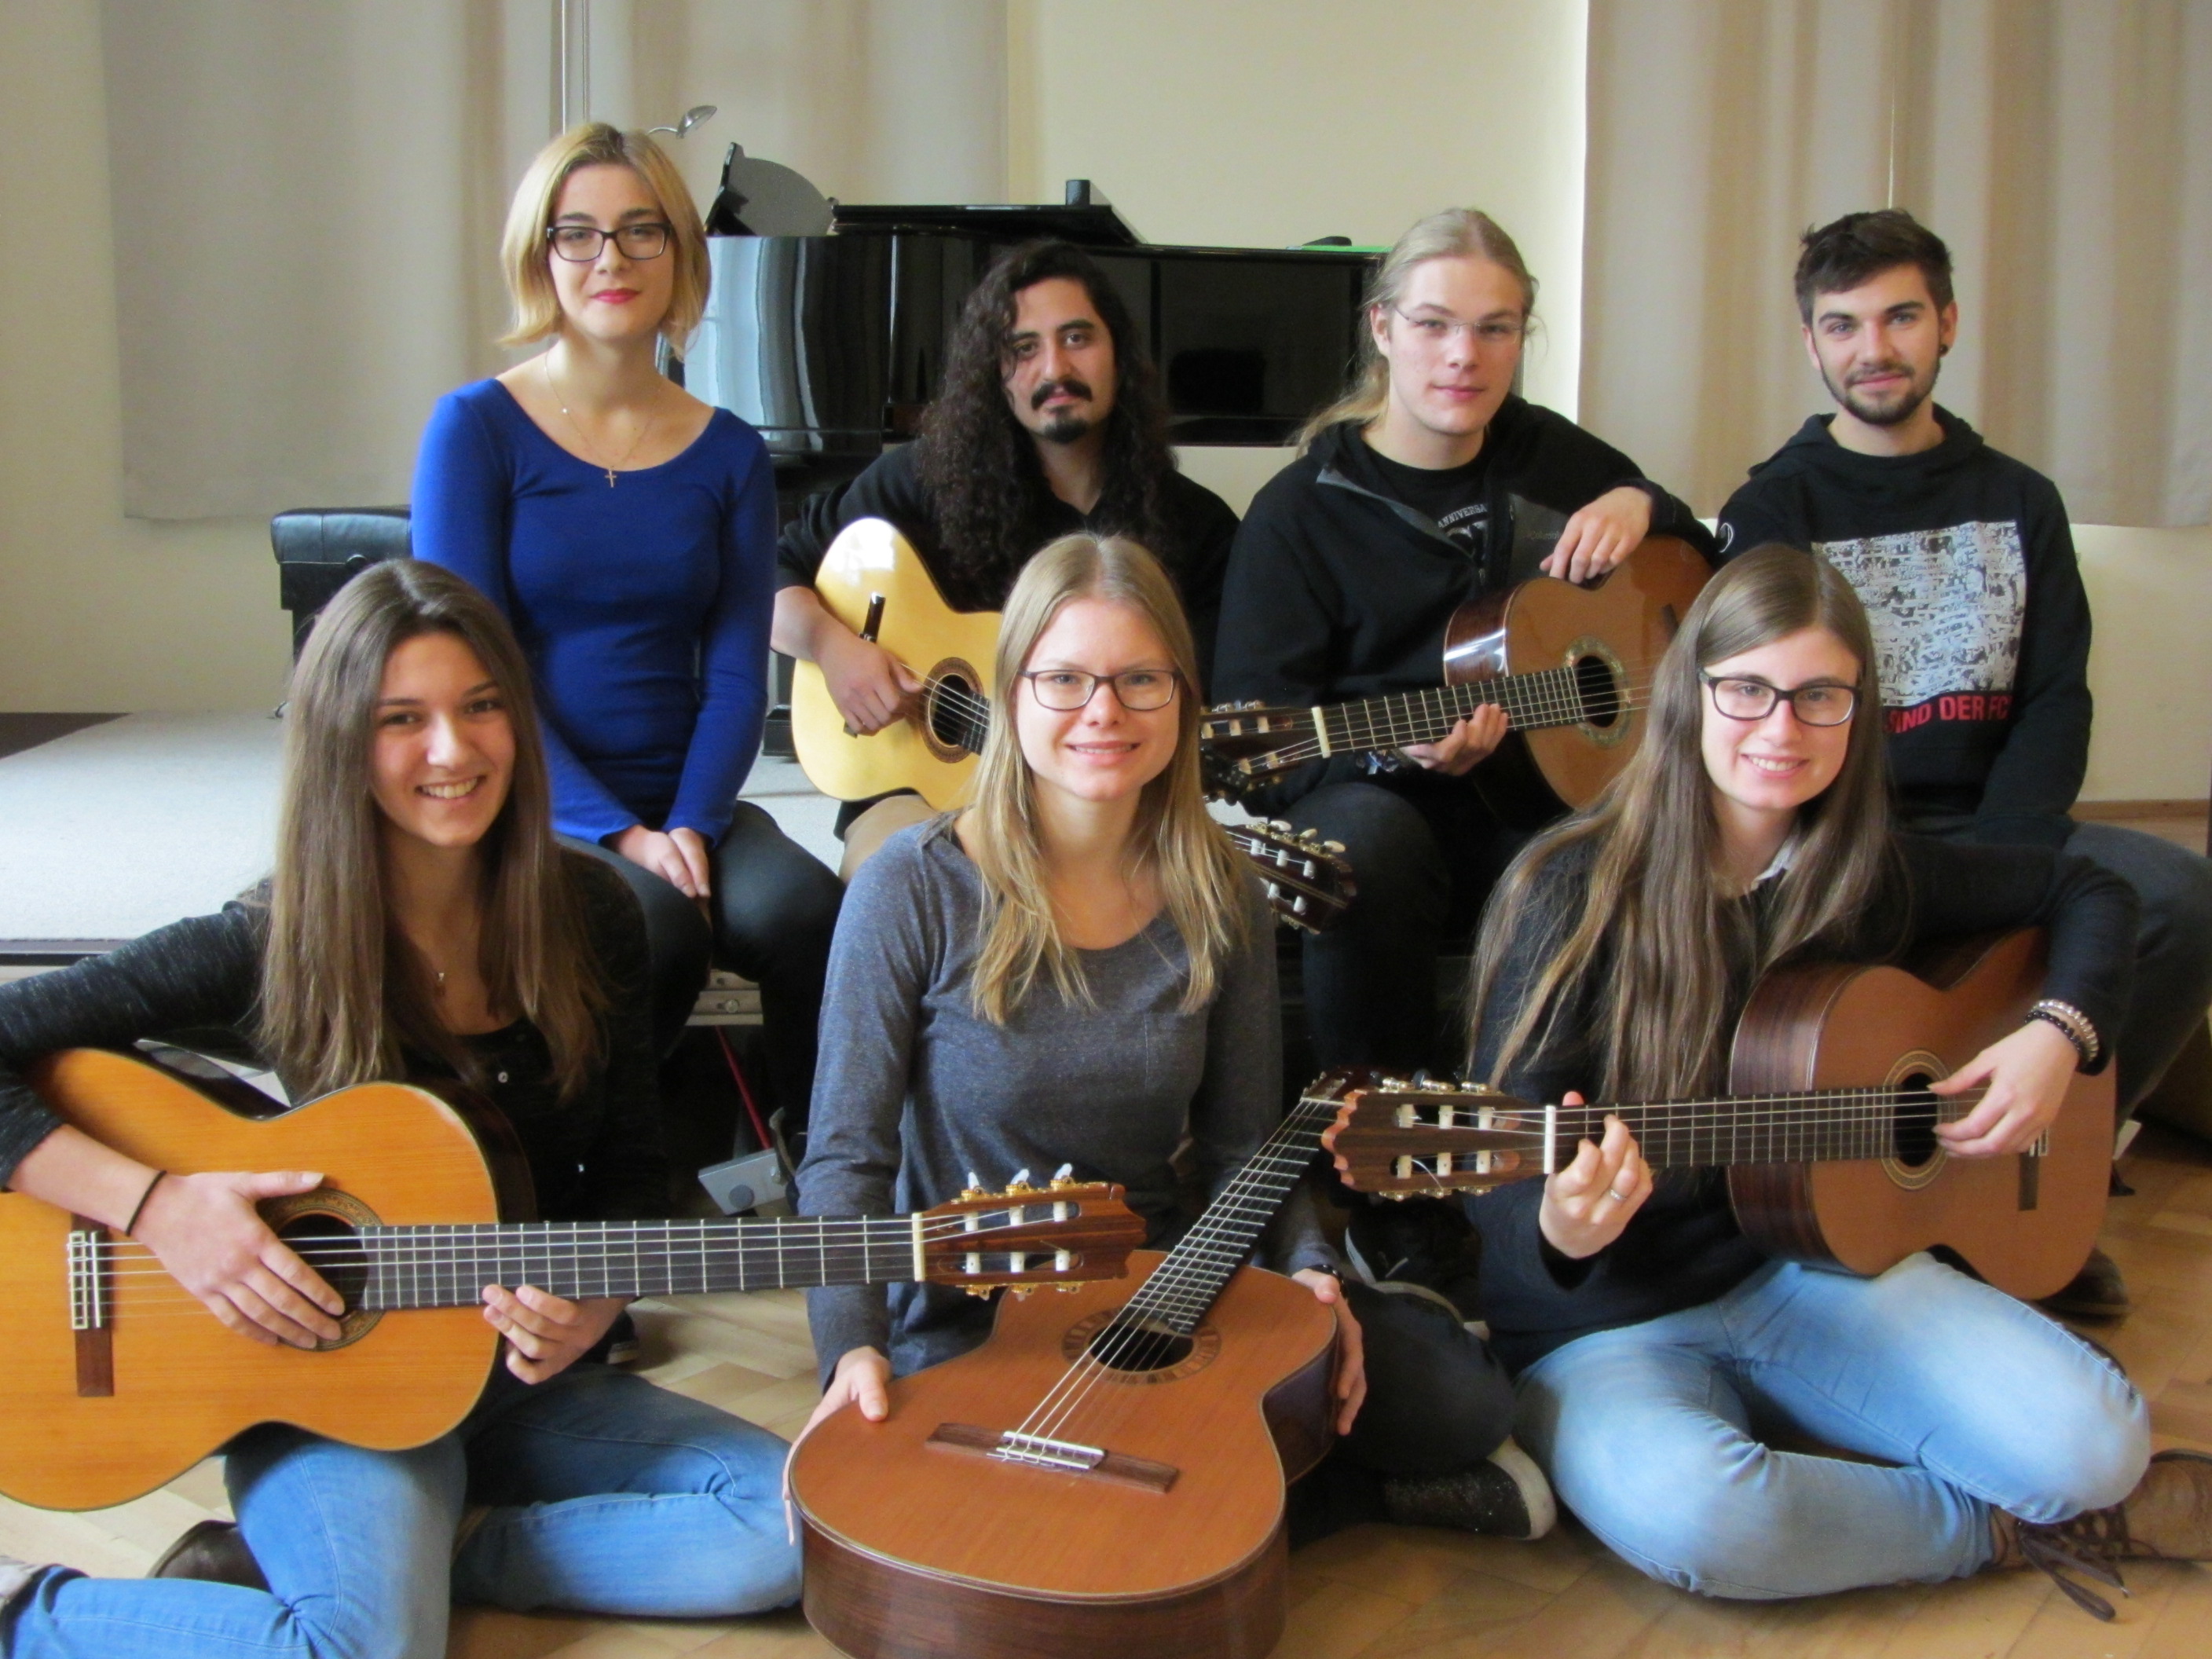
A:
(421, 922)
(1076, 970)
(1654, 1344)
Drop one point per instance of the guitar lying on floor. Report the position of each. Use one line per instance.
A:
(1827, 1133)
(117, 1379)
(872, 580)
(1570, 665)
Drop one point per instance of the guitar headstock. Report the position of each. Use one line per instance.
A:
(1310, 884)
(1062, 1234)
(1242, 745)
(1399, 1139)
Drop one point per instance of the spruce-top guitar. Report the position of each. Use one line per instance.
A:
(117, 1379)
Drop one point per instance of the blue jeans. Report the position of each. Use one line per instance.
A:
(1652, 1432)
(608, 1495)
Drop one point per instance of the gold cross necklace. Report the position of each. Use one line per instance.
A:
(576, 426)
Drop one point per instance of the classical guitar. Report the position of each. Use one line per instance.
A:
(118, 1379)
(1570, 665)
(1827, 1134)
(872, 580)
(1103, 1478)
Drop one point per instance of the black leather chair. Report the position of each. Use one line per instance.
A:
(321, 549)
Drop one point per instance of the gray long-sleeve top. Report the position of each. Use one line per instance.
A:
(914, 1090)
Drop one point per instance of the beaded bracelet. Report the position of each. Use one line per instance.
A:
(2073, 1024)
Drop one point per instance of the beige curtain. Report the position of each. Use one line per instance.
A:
(2064, 149)
(306, 198)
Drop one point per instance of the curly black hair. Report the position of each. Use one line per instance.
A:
(980, 465)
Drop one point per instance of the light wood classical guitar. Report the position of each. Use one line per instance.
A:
(1570, 665)
(1103, 1478)
(116, 1379)
(1827, 1134)
(872, 580)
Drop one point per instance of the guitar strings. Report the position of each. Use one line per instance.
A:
(1383, 727)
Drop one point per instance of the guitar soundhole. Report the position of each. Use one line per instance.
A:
(322, 1226)
(1598, 692)
(1140, 1350)
(958, 714)
(950, 719)
(1912, 1128)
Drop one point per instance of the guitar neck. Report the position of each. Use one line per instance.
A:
(1182, 1287)
(438, 1266)
(1540, 698)
(1811, 1126)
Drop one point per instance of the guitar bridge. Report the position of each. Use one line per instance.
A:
(1061, 1457)
(88, 1285)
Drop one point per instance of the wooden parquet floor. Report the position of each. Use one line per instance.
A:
(1378, 1592)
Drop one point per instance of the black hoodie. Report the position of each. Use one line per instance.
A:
(1337, 589)
(1965, 563)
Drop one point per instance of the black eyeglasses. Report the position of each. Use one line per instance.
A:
(1141, 691)
(645, 239)
(1823, 702)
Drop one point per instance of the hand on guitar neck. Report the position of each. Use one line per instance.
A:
(1464, 748)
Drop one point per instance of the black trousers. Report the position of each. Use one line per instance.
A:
(1425, 851)
(775, 909)
(1437, 1402)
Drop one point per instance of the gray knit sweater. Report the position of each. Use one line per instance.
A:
(914, 1091)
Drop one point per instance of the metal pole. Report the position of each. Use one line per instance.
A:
(572, 64)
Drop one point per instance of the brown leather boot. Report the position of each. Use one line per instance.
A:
(2167, 1517)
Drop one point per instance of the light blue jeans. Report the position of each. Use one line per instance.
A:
(1651, 1433)
(608, 1495)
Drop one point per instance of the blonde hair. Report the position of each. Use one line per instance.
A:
(1200, 877)
(1454, 233)
(523, 252)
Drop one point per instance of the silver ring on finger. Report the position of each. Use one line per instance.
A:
(1616, 1195)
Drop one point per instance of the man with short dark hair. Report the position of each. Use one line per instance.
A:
(1048, 420)
(1965, 560)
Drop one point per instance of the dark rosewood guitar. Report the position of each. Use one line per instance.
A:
(117, 1379)
(1827, 1134)
(1103, 1478)
(872, 580)
(1569, 664)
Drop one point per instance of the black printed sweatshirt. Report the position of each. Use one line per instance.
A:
(1965, 560)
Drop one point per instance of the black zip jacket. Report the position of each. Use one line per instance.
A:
(1965, 563)
(1683, 1249)
(1199, 523)
(1337, 590)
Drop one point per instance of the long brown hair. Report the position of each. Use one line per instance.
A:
(1200, 877)
(1454, 233)
(343, 994)
(980, 465)
(1656, 934)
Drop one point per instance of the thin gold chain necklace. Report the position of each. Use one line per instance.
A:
(576, 426)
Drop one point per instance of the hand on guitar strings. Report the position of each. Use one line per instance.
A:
(1600, 535)
(862, 1378)
(678, 858)
(547, 1333)
(204, 1229)
(2026, 1077)
(1351, 1383)
(1464, 748)
(870, 687)
(1587, 1205)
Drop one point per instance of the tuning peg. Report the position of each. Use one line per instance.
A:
(1063, 1177)
(1021, 1292)
(981, 1292)
(1067, 1290)
(974, 1188)
(1332, 846)
(1020, 1183)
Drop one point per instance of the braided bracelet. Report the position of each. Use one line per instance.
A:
(132, 1225)
(2073, 1024)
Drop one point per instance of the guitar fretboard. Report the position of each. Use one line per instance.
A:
(1184, 1286)
(448, 1267)
(1540, 698)
(1815, 1126)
